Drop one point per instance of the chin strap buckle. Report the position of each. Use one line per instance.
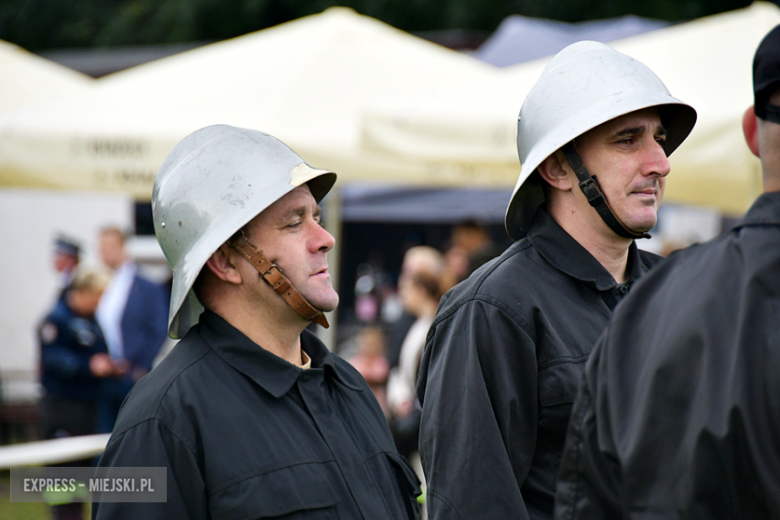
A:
(592, 190)
(275, 277)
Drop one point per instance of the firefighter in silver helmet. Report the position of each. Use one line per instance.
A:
(509, 345)
(678, 414)
(250, 413)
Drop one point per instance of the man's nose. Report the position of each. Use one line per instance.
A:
(321, 240)
(656, 161)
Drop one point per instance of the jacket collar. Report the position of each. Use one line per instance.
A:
(269, 371)
(765, 210)
(567, 255)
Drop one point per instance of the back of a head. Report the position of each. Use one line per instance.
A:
(766, 124)
(766, 75)
(471, 235)
(86, 279)
(423, 259)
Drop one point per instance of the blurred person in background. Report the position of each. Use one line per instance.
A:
(456, 267)
(470, 246)
(67, 253)
(678, 415)
(419, 288)
(133, 315)
(370, 361)
(74, 363)
(508, 347)
(474, 238)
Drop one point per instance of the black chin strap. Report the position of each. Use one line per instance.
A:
(592, 190)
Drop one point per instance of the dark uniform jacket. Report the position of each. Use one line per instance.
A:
(245, 434)
(679, 412)
(67, 342)
(500, 372)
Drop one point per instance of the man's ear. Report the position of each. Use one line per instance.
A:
(750, 128)
(553, 172)
(223, 264)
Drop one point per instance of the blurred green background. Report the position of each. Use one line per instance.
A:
(24, 510)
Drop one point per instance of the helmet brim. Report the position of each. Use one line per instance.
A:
(677, 117)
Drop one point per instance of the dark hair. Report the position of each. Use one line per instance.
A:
(472, 225)
(766, 71)
(429, 283)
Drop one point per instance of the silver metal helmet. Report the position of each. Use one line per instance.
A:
(213, 183)
(586, 84)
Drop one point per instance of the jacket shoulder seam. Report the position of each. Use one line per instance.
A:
(157, 420)
(155, 415)
(518, 248)
(494, 302)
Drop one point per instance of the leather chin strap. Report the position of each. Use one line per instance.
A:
(592, 190)
(273, 274)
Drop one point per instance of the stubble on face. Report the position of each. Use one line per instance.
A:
(627, 157)
(291, 236)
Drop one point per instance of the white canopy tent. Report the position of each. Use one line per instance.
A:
(305, 81)
(27, 78)
(373, 103)
(706, 63)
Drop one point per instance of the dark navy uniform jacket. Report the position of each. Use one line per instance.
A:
(245, 434)
(679, 411)
(500, 372)
(67, 342)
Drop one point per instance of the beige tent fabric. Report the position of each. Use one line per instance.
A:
(706, 63)
(27, 78)
(305, 82)
(352, 94)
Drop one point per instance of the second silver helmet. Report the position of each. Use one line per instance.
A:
(586, 84)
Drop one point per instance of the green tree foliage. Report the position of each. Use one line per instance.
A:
(48, 24)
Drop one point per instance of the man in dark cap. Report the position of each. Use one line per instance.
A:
(678, 415)
(67, 252)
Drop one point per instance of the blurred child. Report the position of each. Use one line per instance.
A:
(370, 361)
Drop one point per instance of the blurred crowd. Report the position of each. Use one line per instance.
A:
(99, 338)
(395, 319)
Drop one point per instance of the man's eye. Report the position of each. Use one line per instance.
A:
(294, 224)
